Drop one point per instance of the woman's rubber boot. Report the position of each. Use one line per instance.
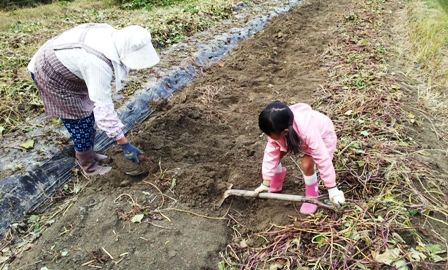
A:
(98, 157)
(86, 161)
(277, 181)
(310, 191)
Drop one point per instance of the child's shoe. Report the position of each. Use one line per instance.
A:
(277, 181)
(310, 191)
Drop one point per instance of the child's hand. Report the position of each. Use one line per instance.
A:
(336, 196)
(261, 188)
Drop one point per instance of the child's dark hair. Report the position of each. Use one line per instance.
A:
(275, 118)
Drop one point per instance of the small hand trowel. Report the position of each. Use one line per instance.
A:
(140, 168)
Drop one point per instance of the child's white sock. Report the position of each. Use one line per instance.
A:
(309, 180)
(279, 168)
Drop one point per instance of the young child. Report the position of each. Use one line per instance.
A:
(297, 129)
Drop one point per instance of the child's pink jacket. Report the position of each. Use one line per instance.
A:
(316, 131)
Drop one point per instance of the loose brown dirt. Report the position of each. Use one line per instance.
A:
(202, 139)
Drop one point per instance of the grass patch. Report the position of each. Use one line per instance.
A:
(428, 32)
(444, 4)
(425, 43)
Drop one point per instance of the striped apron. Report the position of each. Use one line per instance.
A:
(64, 94)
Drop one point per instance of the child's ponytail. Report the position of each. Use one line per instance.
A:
(277, 117)
(292, 139)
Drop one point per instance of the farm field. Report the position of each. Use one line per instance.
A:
(347, 59)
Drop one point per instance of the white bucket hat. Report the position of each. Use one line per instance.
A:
(134, 47)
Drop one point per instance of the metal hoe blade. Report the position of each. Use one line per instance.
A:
(138, 171)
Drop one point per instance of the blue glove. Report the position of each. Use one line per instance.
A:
(130, 152)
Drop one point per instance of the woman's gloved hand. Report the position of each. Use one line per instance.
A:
(261, 188)
(130, 152)
(336, 196)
